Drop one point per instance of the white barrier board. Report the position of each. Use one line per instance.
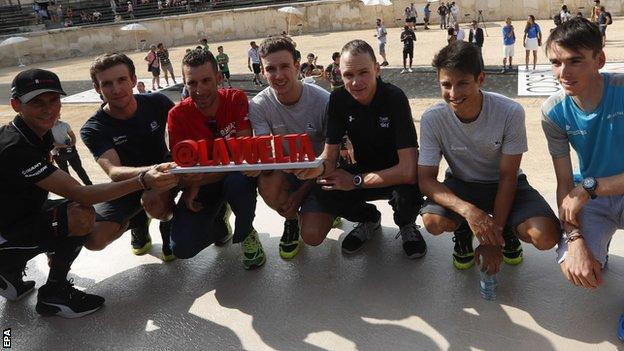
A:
(248, 167)
(92, 97)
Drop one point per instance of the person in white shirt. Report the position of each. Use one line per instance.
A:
(381, 40)
(459, 33)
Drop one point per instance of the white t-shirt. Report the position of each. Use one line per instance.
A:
(381, 34)
(60, 132)
(460, 35)
(254, 55)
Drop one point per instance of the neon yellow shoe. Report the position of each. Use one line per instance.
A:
(140, 240)
(337, 221)
(463, 253)
(512, 251)
(290, 243)
(253, 254)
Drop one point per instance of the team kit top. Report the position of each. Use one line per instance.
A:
(139, 140)
(376, 131)
(26, 160)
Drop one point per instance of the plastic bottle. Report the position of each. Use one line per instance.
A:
(487, 285)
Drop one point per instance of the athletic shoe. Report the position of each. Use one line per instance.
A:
(13, 287)
(403, 71)
(463, 254)
(140, 240)
(503, 70)
(253, 254)
(385, 63)
(410, 70)
(165, 233)
(290, 243)
(223, 226)
(361, 232)
(62, 299)
(512, 251)
(337, 221)
(413, 243)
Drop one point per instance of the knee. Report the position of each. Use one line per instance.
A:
(271, 187)
(80, 219)
(543, 233)
(437, 225)
(313, 236)
(96, 243)
(157, 207)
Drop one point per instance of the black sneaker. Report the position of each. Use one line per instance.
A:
(12, 287)
(463, 253)
(140, 240)
(290, 243)
(356, 238)
(512, 251)
(413, 243)
(63, 300)
(165, 234)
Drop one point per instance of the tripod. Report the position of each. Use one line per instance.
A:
(482, 21)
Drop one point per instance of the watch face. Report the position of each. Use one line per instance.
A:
(589, 183)
(357, 180)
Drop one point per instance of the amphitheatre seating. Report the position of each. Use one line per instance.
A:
(15, 19)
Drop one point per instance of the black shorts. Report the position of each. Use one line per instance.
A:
(408, 52)
(48, 224)
(528, 203)
(256, 68)
(122, 210)
(226, 74)
(155, 71)
(410, 20)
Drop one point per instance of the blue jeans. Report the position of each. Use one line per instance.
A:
(191, 232)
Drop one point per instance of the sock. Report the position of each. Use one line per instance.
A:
(61, 259)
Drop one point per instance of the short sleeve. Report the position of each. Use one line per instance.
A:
(557, 138)
(94, 139)
(258, 117)
(336, 120)
(241, 110)
(514, 138)
(430, 151)
(174, 127)
(27, 165)
(404, 129)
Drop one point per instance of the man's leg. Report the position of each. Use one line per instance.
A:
(240, 192)
(276, 187)
(191, 232)
(112, 220)
(406, 201)
(76, 164)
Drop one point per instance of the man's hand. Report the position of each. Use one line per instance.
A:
(249, 66)
(291, 207)
(159, 180)
(484, 228)
(580, 267)
(189, 196)
(166, 166)
(307, 173)
(337, 180)
(489, 258)
(346, 156)
(572, 205)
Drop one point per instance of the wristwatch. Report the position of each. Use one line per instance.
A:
(590, 184)
(358, 181)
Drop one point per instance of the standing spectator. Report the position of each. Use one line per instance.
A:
(454, 9)
(52, 12)
(36, 7)
(595, 11)
(204, 45)
(113, 6)
(408, 37)
(153, 66)
(222, 61)
(604, 20)
(532, 40)
(564, 15)
(65, 150)
(185, 93)
(332, 72)
(442, 11)
(59, 13)
(381, 40)
(413, 15)
(459, 33)
(451, 37)
(426, 14)
(254, 63)
(509, 40)
(130, 10)
(69, 14)
(165, 63)
(476, 38)
(408, 17)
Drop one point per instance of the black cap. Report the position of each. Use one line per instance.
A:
(33, 82)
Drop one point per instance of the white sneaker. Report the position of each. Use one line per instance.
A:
(403, 71)
(410, 70)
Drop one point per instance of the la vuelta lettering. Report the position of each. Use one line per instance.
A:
(252, 150)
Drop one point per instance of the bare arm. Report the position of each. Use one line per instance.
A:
(404, 172)
(111, 164)
(507, 184)
(72, 136)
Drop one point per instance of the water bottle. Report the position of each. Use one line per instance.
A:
(487, 285)
(621, 329)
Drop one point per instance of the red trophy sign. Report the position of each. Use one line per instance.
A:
(245, 154)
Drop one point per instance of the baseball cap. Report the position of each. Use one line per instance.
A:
(33, 82)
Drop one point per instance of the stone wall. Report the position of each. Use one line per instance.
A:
(319, 16)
